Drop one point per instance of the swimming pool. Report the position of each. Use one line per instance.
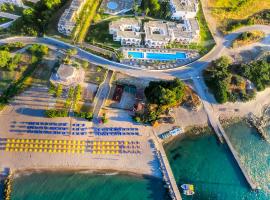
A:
(112, 5)
(137, 55)
(158, 56)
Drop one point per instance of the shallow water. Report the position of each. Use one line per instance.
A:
(202, 161)
(71, 186)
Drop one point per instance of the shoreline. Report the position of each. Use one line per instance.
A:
(102, 172)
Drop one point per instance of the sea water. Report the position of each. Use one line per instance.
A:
(73, 186)
(203, 161)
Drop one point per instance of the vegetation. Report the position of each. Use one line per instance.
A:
(4, 20)
(84, 21)
(99, 34)
(258, 72)
(52, 113)
(7, 61)
(34, 21)
(247, 38)
(262, 17)
(161, 95)
(232, 14)
(11, 8)
(165, 93)
(12, 46)
(59, 90)
(231, 82)
(85, 115)
(104, 118)
(155, 8)
(217, 78)
(25, 80)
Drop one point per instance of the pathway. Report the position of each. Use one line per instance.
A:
(102, 94)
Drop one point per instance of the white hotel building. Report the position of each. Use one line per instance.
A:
(126, 31)
(69, 18)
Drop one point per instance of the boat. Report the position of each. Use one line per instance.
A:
(187, 187)
(188, 192)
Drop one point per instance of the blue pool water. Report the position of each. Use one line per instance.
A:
(166, 56)
(112, 5)
(135, 54)
(158, 56)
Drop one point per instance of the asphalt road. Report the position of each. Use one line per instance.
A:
(184, 72)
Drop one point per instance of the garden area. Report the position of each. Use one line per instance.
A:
(98, 34)
(17, 71)
(95, 74)
(85, 19)
(237, 82)
(161, 96)
(67, 100)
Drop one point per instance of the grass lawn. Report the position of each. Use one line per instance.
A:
(4, 20)
(206, 38)
(227, 11)
(99, 33)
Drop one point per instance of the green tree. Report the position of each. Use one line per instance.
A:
(5, 57)
(166, 93)
(59, 90)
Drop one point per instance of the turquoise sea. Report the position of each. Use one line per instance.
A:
(199, 160)
(202, 161)
(73, 186)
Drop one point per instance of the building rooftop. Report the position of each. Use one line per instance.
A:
(156, 30)
(65, 71)
(185, 5)
(123, 23)
(127, 27)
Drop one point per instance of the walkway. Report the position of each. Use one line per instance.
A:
(9, 16)
(215, 123)
(102, 94)
(169, 174)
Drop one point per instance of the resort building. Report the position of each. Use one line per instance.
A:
(184, 9)
(158, 34)
(15, 2)
(69, 18)
(68, 75)
(127, 31)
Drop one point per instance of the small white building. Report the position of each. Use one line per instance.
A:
(126, 31)
(184, 9)
(15, 2)
(70, 16)
(68, 75)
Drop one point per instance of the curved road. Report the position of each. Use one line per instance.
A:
(184, 72)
